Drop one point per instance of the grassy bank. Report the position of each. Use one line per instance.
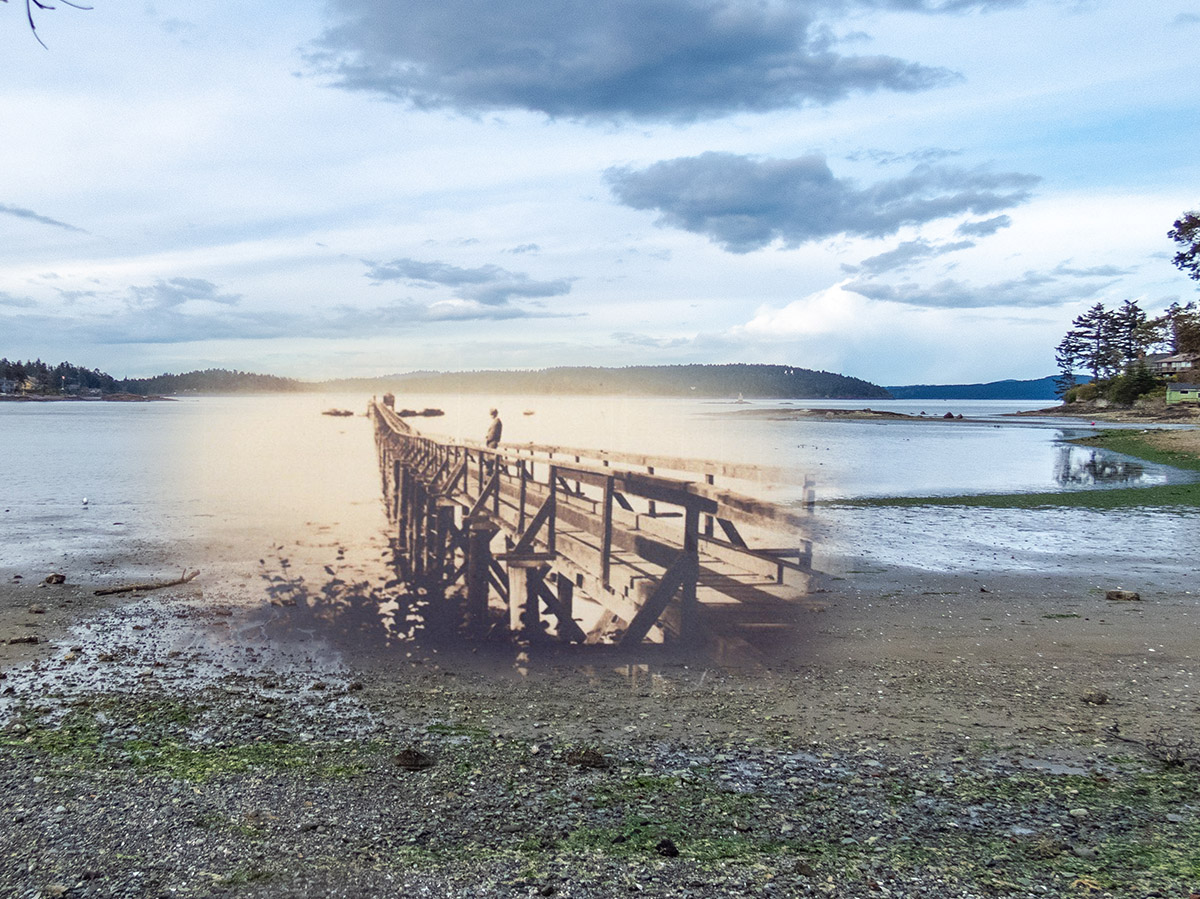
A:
(1145, 445)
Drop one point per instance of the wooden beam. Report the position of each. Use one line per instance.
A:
(683, 571)
(568, 628)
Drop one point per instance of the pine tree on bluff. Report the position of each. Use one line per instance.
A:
(1186, 234)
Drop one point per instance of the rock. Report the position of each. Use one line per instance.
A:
(55, 890)
(1078, 813)
(412, 759)
(36, 609)
(1084, 852)
(32, 638)
(1095, 697)
(587, 758)
(667, 848)
(1123, 596)
(56, 579)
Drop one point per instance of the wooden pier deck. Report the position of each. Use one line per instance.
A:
(545, 530)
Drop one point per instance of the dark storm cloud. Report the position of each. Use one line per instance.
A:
(34, 217)
(1031, 290)
(488, 284)
(907, 254)
(985, 227)
(744, 204)
(677, 60)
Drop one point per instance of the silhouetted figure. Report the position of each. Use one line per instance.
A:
(492, 440)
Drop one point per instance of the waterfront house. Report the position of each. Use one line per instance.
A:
(1178, 392)
(1180, 363)
(8, 385)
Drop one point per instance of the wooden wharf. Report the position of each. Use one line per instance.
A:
(545, 529)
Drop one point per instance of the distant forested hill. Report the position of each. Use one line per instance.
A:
(773, 381)
(1039, 389)
(213, 380)
(763, 381)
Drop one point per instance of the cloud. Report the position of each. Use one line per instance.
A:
(907, 254)
(744, 204)
(7, 299)
(34, 217)
(924, 156)
(180, 291)
(984, 228)
(488, 284)
(408, 314)
(658, 343)
(677, 60)
(1186, 18)
(1032, 290)
(1096, 271)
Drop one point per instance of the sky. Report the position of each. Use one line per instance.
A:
(905, 191)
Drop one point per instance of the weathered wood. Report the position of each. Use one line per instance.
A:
(577, 526)
(154, 585)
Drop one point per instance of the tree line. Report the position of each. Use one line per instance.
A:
(65, 379)
(41, 377)
(1112, 344)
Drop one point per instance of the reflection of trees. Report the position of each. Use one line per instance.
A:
(1080, 467)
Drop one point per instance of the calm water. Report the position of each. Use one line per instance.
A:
(247, 478)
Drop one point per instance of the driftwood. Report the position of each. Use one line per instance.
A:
(157, 585)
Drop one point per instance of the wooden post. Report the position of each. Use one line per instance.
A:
(518, 595)
(566, 594)
(708, 519)
(606, 539)
(396, 475)
(479, 560)
(688, 605)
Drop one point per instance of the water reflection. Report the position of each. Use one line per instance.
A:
(1077, 466)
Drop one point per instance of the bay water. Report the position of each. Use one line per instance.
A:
(117, 490)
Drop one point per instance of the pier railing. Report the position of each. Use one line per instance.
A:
(542, 527)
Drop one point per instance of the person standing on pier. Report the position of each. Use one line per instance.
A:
(492, 440)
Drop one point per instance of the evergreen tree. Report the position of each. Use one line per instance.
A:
(1186, 234)
(1093, 334)
(1132, 332)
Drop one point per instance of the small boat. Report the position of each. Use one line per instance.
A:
(340, 413)
(527, 412)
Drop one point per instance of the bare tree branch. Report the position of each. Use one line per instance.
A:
(40, 4)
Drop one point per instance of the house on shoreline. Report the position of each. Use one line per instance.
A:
(1178, 392)
(1165, 364)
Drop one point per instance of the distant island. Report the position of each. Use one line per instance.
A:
(1039, 389)
(708, 381)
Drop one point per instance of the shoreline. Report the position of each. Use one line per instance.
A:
(109, 398)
